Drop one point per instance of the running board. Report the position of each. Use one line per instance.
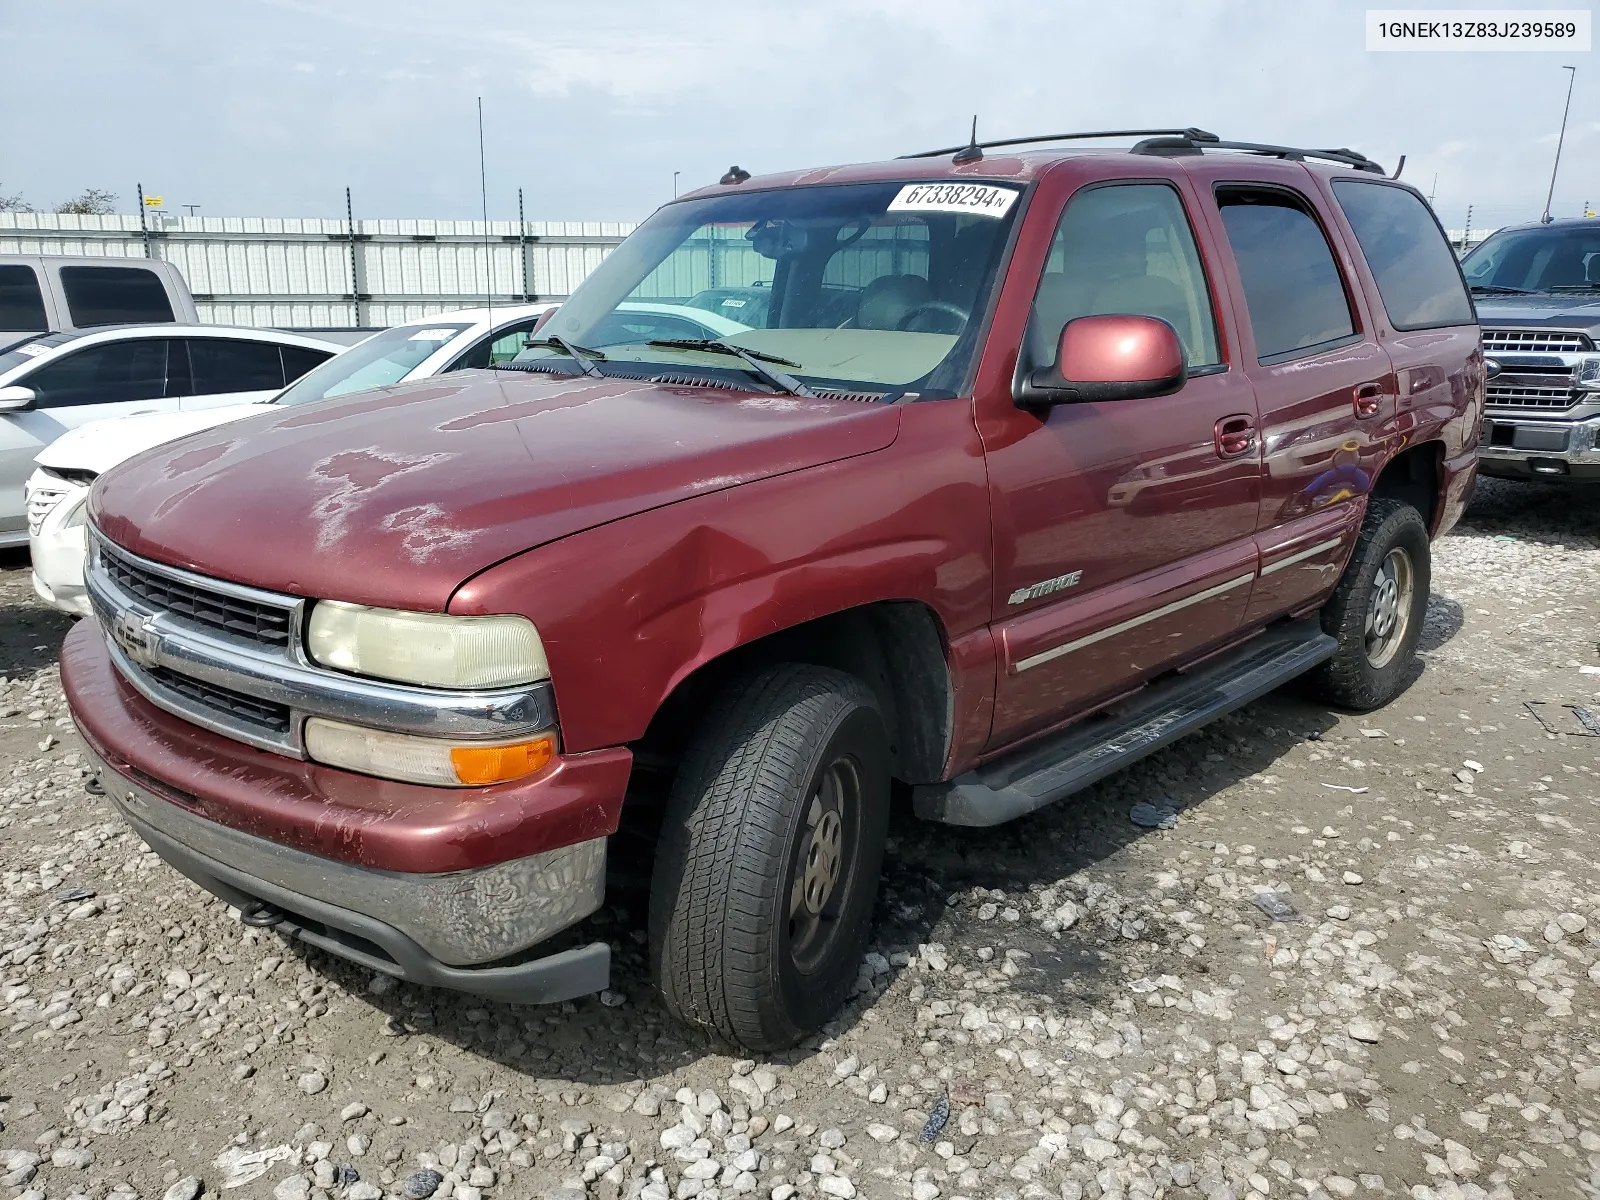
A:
(1088, 751)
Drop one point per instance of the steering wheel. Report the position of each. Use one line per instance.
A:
(942, 307)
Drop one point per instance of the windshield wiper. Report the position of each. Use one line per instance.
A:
(1575, 287)
(1500, 288)
(755, 359)
(582, 355)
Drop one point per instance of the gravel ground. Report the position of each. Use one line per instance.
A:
(1360, 959)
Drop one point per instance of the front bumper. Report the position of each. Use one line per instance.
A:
(57, 550)
(449, 887)
(1518, 447)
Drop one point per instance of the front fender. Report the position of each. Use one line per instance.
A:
(630, 609)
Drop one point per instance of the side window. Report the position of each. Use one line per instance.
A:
(297, 360)
(502, 347)
(1413, 265)
(21, 304)
(1125, 248)
(114, 295)
(112, 374)
(1292, 286)
(222, 365)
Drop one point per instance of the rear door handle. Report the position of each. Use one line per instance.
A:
(1367, 398)
(1235, 435)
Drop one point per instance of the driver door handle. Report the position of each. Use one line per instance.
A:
(1367, 398)
(1235, 435)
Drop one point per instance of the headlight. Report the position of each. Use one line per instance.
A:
(429, 649)
(425, 760)
(79, 514)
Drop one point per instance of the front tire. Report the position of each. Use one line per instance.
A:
(1378, 609)
(770, 852)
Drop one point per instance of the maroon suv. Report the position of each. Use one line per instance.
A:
(1032, 462)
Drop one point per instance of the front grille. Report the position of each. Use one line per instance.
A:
(1554, 399)
(40, 503)
(1535, 341)
(269, 717)
(264, 623)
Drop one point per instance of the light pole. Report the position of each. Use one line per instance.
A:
(675, 175)
(1571, 79)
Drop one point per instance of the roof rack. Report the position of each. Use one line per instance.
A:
(1191, 133)
(1172, 143)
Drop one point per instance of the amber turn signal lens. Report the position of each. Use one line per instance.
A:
(478, 766)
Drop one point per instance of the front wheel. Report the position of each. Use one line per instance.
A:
(1378, 609)
(768, 864)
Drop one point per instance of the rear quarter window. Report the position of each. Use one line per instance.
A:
(1413, 265)
(114, 295)
(21, 302)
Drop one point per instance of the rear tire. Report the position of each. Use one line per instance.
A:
(769, 858)
(1378, 609)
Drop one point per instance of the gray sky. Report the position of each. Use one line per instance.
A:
(271, 107)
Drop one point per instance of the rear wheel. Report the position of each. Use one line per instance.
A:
(769, 858)
(1378, 609)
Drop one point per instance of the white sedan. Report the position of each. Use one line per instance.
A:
(51, 383)
(67, 467)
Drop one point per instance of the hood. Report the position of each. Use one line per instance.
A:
(1558, 310)
(101, 445)
(397, 496)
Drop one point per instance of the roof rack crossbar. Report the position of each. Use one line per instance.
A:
(1349, 158)
(1190, 133)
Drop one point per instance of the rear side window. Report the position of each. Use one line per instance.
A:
(1413, 265)
(297, 360)
(1292, 286)
(116, 373)
(221, 365)
(114, 295)
(21, 303)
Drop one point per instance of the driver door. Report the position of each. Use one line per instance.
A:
(1123, 530)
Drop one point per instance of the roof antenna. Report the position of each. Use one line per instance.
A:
(1399, 166)
(971, 152)
(488, 250)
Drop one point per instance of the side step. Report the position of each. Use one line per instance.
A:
(1089, 750)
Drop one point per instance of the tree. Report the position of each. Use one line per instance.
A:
(14, 203)
(94, 202)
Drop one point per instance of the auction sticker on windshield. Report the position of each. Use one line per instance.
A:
(434, 335)
(980, 199)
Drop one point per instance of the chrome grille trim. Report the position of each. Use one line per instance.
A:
(1535, 341)
(257, 616)
(1555, 399)
(261, 694)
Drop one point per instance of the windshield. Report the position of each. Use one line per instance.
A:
(24, 350)
(1537, 260)
(868, 287)
(382, 359)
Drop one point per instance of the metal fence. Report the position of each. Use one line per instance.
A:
(320, 273)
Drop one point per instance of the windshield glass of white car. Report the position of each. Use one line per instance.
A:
(880, 287)
(382, 359)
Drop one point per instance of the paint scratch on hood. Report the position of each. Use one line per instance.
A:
(427, 531)
(354, 475)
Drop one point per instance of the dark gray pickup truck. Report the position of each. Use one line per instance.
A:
(1537, 289)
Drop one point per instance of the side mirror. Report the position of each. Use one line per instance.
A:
(1117, 357)
(16, 398)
